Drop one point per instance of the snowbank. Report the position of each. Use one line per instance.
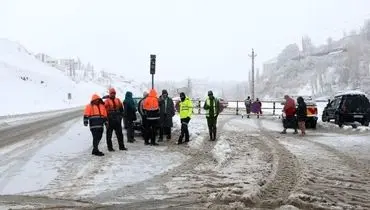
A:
(30, 85)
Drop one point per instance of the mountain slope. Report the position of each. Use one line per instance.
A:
(28, 85)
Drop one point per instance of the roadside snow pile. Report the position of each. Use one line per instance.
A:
(197, 130)
(31, 86)
(222, 151)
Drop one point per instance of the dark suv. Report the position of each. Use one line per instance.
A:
(348, 108)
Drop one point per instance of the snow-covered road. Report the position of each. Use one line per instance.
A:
(251, 165)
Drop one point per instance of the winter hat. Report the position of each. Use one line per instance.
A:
(164, 91)
(182, 95)
(112, 90)
(145, 94)
(210, 93)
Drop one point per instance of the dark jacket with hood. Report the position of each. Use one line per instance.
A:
(129, 107)
(167, 111)
(301, 110)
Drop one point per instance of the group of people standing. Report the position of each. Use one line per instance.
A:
(254, 107)
(156, 113)
(294, 115)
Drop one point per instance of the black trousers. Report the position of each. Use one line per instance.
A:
(117, 128)
(212, 127)
(150, 131)
(184, 130)
(130, 130)
(166, 131)
(97, 134)
(290, 122)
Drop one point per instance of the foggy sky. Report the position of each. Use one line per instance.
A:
(192, 38)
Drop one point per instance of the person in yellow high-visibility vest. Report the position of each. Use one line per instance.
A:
(186, 111)
(212, 107)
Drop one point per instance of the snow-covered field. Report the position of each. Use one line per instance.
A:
(250, 165)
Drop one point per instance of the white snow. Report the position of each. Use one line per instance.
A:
(32, 86)
(222, 151)
(350, 92)
(62, 164)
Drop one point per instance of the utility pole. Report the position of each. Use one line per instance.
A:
(253, 56)
(189, 87)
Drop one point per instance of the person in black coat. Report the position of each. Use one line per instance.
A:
(130, 115)
(167, 111)
(301, 115)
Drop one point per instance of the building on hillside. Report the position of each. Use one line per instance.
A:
(269, 66)
(47, 59)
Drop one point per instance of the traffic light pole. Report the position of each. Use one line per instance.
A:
(152, 68)
(152, 81)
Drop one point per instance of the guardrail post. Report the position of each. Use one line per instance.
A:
(199, 106)
(237, 107)
(273, 108)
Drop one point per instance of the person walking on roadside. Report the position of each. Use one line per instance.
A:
(212, 107)
(248, 104)
(290, 110)
(301, 115)
(130, 115)
(115, 113)
(143, 118)
(259, 111)
(186, 111)
(167, 111)
(95, 115)
(151, 112)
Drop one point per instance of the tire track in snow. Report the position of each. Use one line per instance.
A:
(15, 158)
(284, 176)
(329, 178)
(140, 192)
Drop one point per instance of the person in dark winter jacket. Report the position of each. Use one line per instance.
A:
(301, 115)
(114, 108)
(142, 114)
(130, 115)
(212, 107)
(248, 104)
(167, 111)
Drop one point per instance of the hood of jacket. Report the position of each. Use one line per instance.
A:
(153, 93)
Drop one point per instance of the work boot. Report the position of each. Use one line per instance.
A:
(111, 150)
(295, 132)
(122, 148)
(283, 132)
(97, 153)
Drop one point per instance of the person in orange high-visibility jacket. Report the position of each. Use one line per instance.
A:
(152, 115)
(115, 114)
(95, 115)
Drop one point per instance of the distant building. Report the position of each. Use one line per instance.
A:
(270, 66)
(47, 59)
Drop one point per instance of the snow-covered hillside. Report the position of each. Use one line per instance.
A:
(320, 71)
(29, 85)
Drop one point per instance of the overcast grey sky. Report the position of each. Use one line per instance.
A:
(196, 38)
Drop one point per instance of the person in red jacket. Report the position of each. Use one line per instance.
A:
(290, 120)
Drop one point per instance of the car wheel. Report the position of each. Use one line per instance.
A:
(324, 118)
(313, 124)
(338, 121)
(365, 122)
